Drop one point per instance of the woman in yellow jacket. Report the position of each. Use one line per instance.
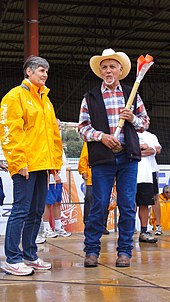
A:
(32, 146)
(85, 171)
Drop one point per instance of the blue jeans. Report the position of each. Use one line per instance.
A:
(88, 201)
(125, 171)
(25, 218)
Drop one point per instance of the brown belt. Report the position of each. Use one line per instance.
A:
(123, 148)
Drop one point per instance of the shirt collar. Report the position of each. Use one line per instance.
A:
(33, 87)
(104, 87)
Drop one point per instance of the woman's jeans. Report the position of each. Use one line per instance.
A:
(125, 172)
(25, 218)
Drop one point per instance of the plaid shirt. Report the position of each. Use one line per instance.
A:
(114, 101)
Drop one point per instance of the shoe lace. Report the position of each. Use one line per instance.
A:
(149, 235)
(39, 261)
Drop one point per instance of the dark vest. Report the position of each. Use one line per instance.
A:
(98, 152)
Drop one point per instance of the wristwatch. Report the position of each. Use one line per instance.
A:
(100, 137)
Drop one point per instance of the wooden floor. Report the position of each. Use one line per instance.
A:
(148, 278)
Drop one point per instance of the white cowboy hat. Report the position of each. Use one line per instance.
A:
(109, 53)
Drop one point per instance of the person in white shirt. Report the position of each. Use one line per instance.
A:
(155, 170)
(145, 193)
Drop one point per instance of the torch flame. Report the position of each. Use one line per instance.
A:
(142, 61)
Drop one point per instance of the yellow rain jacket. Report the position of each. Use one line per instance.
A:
(83, 166)
(29, 131)
(165, 214)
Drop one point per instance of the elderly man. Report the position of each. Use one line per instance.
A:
(101, 109)
(32, 146)
(165, 195)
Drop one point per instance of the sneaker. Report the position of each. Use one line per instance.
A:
(49, 233)
(18, 269)
(38, 264)
(135, 231)
(40, 239)
(62, 232)
(147, 237)
(158, 230)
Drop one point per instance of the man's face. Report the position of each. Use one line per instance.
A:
(38, 77)
(110, 70)
(167, 194)
(147, 122)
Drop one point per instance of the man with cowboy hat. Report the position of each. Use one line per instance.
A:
(101, 109)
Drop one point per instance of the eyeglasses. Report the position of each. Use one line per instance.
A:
(166, 192)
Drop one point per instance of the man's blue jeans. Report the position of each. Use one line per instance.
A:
(103, 176)
(25, 218)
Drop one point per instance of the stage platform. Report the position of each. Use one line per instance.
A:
(147, 279)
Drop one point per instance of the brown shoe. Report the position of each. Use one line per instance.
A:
(90, 261)
(122, 261)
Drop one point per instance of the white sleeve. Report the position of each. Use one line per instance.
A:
(155, 141)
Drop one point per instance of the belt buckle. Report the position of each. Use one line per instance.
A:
(117, 149)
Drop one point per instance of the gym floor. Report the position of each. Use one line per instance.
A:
(147, 279)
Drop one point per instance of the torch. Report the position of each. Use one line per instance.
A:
(143, 65)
